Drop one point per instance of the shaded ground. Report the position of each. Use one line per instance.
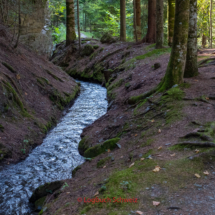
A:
(33, 93)
(149, 130)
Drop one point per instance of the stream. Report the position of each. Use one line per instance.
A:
(56, 157)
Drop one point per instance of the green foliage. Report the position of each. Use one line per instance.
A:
(59, 33)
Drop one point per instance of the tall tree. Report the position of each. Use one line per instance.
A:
(138, 19)
(70, 22)
(122, 20)
(211, 32)
(78, 21)
(159, 24)
(191, 68)
(175, 70)
(151, 32)
(135, 20)
(171, 21)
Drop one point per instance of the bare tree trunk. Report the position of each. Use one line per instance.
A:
(79, 33)
(191, 68)
(211, 33)
(122, 20)
(204, 41)
(19, 26)
(159, 24)
(171, 21)
(175, 70)
(135, 24)
(70, 24)
(151, 32)
(138, 19)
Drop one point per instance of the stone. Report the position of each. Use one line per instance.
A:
(87, 50)
(45, 189)
(108, 38)
(157, 66)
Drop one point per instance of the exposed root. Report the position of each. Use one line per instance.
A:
(205, 144)
(195, 134)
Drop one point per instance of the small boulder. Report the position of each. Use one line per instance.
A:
(87, 50)
(157, 66)
(107, 38)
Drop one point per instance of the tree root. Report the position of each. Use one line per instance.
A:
(195, 134)
(205, 144)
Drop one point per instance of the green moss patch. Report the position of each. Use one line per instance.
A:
(103, 161)
(75, 170)
(101, 148)
(1, 128)
(54, 76)
(8, 66)
(42, 81)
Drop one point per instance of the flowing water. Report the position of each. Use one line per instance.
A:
(56, 157)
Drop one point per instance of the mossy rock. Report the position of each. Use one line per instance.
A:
(45, 189)
(95, 46)
(87, 50)
(39, 203)
(99, 149)
(1, 128)
(107, 38)
(83, 145)
(75, 170)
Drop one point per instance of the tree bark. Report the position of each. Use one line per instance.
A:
(211, 32)
(78, 21)
(191, 68)
(151, 32)
(70, 22)
(122, 21)
(135, 24)
(159, 24)
(204, 41)
(171, 21)
(138, 20)
(175, 70)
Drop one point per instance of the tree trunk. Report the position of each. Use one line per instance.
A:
(138, 19)
(70, 22)
(122, 21)
(135, 24)
(191, 68)
(204, 41)
(211, 33)
(159, 24)
(175, 70)
(171, 21)
(19, 26)
(151, 32)
(78, 21)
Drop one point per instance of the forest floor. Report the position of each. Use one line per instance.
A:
(164, 156)
(33, 93)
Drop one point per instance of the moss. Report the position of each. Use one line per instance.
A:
(42, 81)
(40, 202)
(95, 46)
(52, 122)
(9, 67)
(115, 85)
(135, 99)
(87, 50)
(103, 161)
(107, 38)
(99, 149)
(4, 152)
(150, 47)
(83, 145)
(75, 170)
(54, 76)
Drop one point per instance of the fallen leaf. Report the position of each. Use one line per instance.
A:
(131, 165)
(139, 212)
(159, 131)
(26, 94)
(108, 150)
(150, 158)
(96, 194)
(153, 120)
(206, 172)
(197, 175)
(163, 124)
(156, 203)
(156, 169)
(67, 192)
(172, 155)
(121, 157)
(197, 151)
(207, 98)
(160, 148)
(135, 135)
(18, 77)
(142, 159)
(104, 167)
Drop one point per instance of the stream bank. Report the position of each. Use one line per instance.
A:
(56, 157)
